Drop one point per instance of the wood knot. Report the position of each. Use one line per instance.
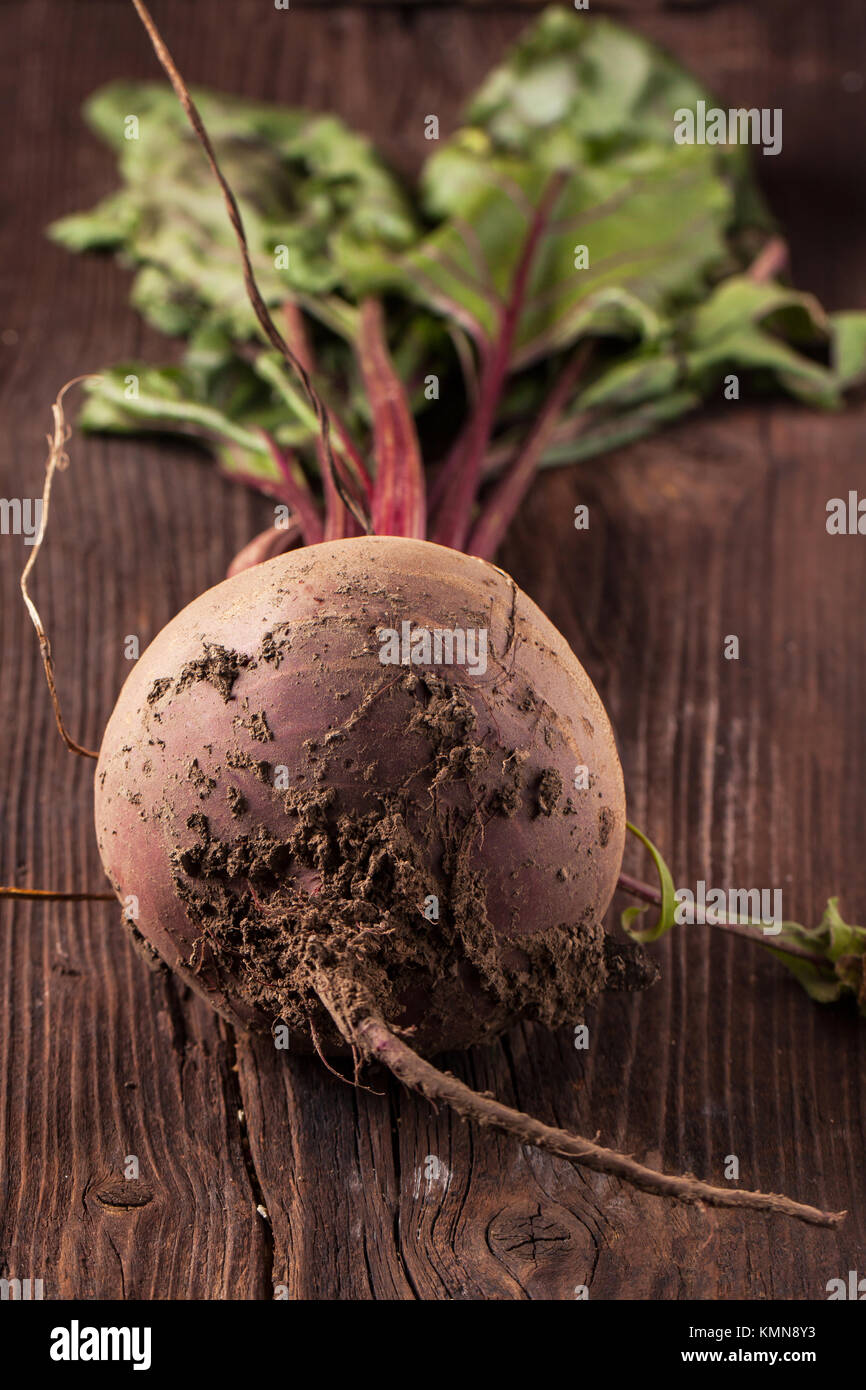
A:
(120, 1195)
(545, 1249)
(529, 1234)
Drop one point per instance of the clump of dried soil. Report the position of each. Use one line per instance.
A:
(392, 899)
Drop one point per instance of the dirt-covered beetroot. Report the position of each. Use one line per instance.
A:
(274, 795)
(389, 858)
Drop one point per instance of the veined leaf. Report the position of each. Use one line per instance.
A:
(756, 326)
(742, 327)
(578, 104)
(135, 398)
(592, 99)
(309, 190)
(587, 81)
(653, 228)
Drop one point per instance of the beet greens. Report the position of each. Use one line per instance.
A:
(565, 155)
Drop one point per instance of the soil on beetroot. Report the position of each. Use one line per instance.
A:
(388, 900)
(411, 831)
(347, 892)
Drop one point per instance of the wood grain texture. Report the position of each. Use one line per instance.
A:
(748, 772)
(616, 7)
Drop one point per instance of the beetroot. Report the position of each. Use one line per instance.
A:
(391, 859)
(273, 795)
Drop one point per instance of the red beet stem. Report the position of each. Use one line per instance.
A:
(465, 464)
(648, 894)
(770, 261)
(399, 502)
(339, 522)
(299, 339)
(296, 490)
(499, 510)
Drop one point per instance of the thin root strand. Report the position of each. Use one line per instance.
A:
(48, 895)
(57, 459)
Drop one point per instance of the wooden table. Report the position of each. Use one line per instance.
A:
(259, 1170)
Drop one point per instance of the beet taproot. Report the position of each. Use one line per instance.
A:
(269, 786)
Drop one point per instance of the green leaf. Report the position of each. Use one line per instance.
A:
(741, 327)
(653, 226)
(668, 904)
(593, 100)
(311, 193)
(741, 301)
(105, 227)
(839, 951)
(575, 90)
(618, 429)
(134, 397)
(579, 102)
(663, 225)
(828, 960)
(585, 89)
(849, 347)
(599, 82)
(640, 376)
(754, 326)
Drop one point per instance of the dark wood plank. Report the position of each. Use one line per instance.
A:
(100, 1059)
(617, 7)
(745, 772)
(749, 770)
